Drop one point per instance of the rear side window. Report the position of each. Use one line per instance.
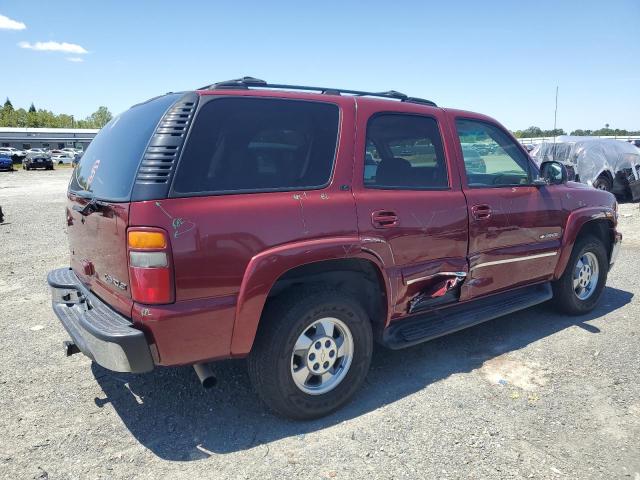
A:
(404, 152)
(252, 144)
(108, 167)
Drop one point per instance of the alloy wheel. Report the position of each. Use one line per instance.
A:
(322, 356)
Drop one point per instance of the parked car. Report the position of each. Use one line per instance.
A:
(6, 162)
(62, 157)
(235, 222)
(76, 159)
(72, 152)
(38, 151)
(603, 163)
(473, 162)
(16, 154)
(37, 159)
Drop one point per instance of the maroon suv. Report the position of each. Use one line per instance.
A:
(295, 226)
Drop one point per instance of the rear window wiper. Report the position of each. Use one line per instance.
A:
(93, 205)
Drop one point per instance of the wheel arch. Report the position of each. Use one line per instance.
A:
(338, 262)
(596, 221)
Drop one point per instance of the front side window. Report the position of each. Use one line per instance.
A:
(253, 145)
(491, 157)
(404, 152)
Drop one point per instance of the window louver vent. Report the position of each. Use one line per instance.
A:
(164, 148)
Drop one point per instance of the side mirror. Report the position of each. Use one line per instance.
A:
(553, 173)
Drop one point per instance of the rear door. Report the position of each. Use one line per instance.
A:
(515, 227)
(411, 211)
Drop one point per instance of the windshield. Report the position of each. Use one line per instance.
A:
(108, 167)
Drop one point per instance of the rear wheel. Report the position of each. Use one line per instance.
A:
(311, 354)
(581, 285)
(603, 182)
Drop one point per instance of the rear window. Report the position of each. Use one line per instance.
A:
(110, 163)
(252, 145)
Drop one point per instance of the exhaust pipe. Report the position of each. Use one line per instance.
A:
(70, 348)
(206, 376)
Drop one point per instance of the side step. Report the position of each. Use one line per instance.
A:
(428, 326)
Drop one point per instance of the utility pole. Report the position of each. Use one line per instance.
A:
(555, 116)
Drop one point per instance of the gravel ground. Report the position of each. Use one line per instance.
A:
(531, 395)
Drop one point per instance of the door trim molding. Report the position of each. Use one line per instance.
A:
(515, 259)
(438, 274)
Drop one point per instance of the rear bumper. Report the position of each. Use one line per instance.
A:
(100, 333)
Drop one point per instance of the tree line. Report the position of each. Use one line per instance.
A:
(533, 132)
(38, 117)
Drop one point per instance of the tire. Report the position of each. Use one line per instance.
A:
(603, 183)
(566, 296)
(272, 361)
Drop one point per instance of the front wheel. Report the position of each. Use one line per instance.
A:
(311, 354)
(581, 285)
(603, 183)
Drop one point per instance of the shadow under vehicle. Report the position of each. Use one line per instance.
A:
(179, 423)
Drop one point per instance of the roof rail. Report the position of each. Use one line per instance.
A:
(250, 82)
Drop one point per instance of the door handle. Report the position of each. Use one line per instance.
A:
(481, 212)
(384, 219)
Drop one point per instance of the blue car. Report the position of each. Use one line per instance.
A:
(6, 163)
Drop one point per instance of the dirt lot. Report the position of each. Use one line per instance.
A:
(531, 395)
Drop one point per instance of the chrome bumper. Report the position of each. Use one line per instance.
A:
(101, 333)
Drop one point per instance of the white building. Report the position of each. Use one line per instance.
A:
(52, 138)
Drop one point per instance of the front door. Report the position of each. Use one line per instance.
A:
(411, 211)
(515, 227)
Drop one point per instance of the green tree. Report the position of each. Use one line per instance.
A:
(100, 117)
(582, 133)
(8, 105)
(32, 108)
(21, 118)
(533, 132)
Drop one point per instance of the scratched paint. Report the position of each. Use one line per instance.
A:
(299, 198)
(180, 226)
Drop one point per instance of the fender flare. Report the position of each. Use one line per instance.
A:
(265, 268)
(575, 222)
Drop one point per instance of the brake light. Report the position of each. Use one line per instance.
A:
(150, 269)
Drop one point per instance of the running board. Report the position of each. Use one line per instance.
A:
(421, 328)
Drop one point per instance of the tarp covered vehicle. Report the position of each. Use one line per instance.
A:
(603, 163)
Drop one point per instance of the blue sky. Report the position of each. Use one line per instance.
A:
(499, 58)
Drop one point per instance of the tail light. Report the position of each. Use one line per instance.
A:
(150, 269)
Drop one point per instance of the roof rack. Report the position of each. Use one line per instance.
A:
(250, 82)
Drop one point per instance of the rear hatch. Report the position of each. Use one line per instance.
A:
(98, 201)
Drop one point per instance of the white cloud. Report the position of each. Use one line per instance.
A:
(54, 47)
(75, 59)
(7, 23)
